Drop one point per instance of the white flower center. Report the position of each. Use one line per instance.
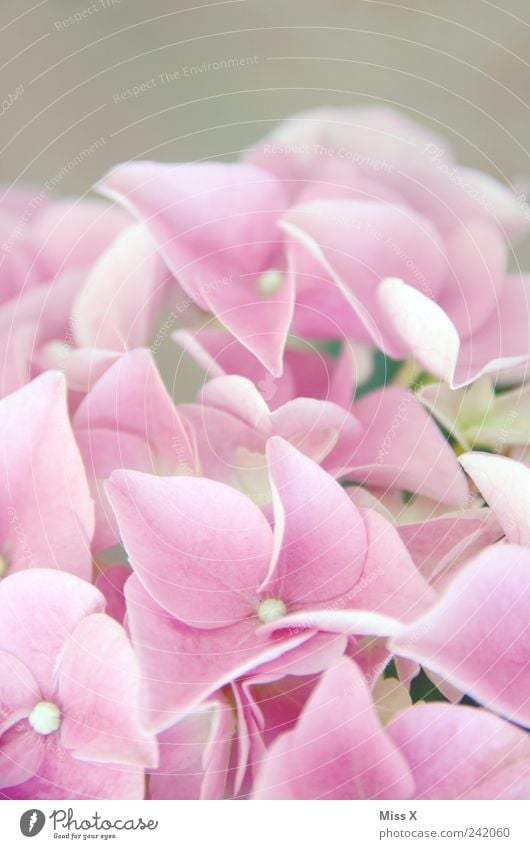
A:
(45, 718)
(269, 282)
(270, 610)
(3, 566)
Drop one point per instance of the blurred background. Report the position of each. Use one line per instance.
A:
(88, 84)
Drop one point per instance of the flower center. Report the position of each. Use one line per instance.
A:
(270, 610)
(3, 566)
(269, 282)
(45, 718)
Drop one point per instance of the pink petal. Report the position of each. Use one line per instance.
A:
(320, 540)
(111, 582)
(439, 545)
(356, 244)
(122, 297)
(476, 636)
(337, 749)
(98, 688)
(21, 755)
(199, 547)
(462, 753)
(184, 666)
(128, 420)
(308, 373)
(401, 447)
(61, 776)
(194, 755)
(40, 609)
(215, 227)
(476, 253)
(19, 692)
(505, 485)
(47, 511)
(73, 234)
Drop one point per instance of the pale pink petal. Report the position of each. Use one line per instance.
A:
(477, 635)
(128, 420)
(19, 692)
(215, 227)
(462, 753)
(201, 548)
(183, 666)
(98, 689)
(505, 485)
(337, 749)
(122, 297)
(47, 518)
(359, 244)
(401, 447)
(21, 754)
(320, 540)
(438, 545)
(40, 608)
(194, 755)
(62, 776)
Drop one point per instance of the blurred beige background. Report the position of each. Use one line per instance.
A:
(461, 67)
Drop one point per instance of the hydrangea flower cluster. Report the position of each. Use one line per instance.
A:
(313, 580)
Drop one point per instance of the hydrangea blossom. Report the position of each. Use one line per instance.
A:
(283, 586)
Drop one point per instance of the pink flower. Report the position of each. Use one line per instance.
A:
(47, 513)
(68, 693)
(216, 593)
(339, 750)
